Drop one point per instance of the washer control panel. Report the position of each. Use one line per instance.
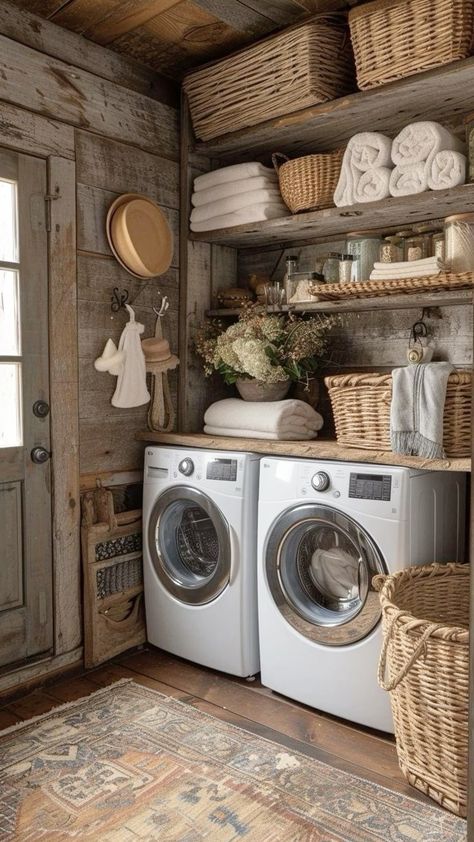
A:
(222, 469)
(186, 467)
(320, 481)
(370, 487)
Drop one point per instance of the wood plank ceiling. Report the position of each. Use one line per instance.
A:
(173, 35)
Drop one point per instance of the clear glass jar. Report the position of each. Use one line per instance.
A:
(438, 246)
(331, 267)
(391, 250)
(459, 233)
(365, 250)
(415, 247)
(346, 265)
(291, 269)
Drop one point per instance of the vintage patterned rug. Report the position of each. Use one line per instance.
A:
(128, 764)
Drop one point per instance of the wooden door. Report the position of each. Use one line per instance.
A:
(26, 622)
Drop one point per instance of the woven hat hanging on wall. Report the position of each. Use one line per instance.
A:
(139, 235)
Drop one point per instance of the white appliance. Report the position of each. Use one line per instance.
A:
(200, 567)
(325, 529)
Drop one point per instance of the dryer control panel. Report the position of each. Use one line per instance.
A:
(370, 487)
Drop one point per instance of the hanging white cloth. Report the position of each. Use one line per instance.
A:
(131, 382)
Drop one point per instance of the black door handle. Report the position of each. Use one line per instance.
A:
(39, 455)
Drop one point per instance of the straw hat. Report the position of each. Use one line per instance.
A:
(139, 235)
(157, 350)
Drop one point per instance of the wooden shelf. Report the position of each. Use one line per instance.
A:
(318, 449)
(324, 225)
(443, 94)
(357, 305)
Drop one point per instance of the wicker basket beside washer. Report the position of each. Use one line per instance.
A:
(424, 665)
(308, 183)
(393, 39)
(302, 66)
(361, 408)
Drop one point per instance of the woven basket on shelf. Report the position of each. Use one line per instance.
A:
(361, 408)
(307, 64)
(308, 183)
(424, 665)
(393, 39)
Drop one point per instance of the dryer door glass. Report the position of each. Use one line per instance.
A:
(189, 543)
(319, 567)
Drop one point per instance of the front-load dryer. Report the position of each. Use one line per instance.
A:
(200, 543)
(325, 530)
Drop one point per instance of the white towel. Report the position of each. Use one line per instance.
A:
(415, 264)
(447, 169)
(256, 213)
(373, 185)
(258, 434)
(233, 188)
(417, 410)
(409, 179)
(269, 416)
(235, 203)
(420, 142)
(365, 151)
(236, 172)
(408, 269)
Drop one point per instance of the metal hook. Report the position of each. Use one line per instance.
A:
(419, 331)
(164, 307)
(119, 299)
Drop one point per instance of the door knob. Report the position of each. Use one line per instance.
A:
(39, 455)
(41, 409)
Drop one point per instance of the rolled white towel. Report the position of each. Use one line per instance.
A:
(421, 141)
(233, 188)
(447, 169)
(236, 172)
(365, 151)
(409, 179)
(259, 434)
(235, 203)
(270, 416)
(256, 213)
(373, 185)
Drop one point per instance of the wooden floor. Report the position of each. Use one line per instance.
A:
(366, 753)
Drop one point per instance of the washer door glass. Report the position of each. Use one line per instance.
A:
(319, 567)
(189, 543)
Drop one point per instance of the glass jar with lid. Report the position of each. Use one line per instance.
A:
(365, 250)
(459, 233)
(415, 247)
(331, 267)
(391, 250)
(438, 246)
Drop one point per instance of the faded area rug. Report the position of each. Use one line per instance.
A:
(129, 764)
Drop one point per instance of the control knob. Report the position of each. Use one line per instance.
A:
(186, 467)
(320, 481)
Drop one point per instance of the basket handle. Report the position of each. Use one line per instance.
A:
(276, 162)
(421, 648)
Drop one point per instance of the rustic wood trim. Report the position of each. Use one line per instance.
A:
(318, 449)
(36, 673)
(184, 213)
(110, 479)
(23, 131)
(65, 405)
(33, 31)
(470, 783)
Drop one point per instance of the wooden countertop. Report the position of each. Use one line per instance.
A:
(317, 449)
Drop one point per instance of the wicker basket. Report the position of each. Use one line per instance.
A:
(361, 408)
(425, 665)
(393, 39)
(305, 65)
(308, 183)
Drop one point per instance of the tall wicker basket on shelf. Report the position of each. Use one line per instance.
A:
(309, 182)
(424, 665)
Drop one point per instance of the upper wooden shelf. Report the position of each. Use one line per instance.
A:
(318, 449)
(445, 94)
(320, 226)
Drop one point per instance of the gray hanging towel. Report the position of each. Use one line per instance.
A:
(417, 411)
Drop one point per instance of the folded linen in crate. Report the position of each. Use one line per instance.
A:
(287, 420)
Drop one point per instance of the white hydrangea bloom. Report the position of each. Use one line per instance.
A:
(255, 362)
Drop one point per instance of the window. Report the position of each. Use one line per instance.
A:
(10, 324)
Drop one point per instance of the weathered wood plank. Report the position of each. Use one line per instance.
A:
(108, 21)
(65, 402)
(44, 36)
(113, 166)
(98, 275)
(81, 99)
(110, 443)
(33, 134)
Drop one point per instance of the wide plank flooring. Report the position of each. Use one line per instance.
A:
(247, 704)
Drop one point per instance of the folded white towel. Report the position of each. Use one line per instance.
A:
(236, 172)
(373, 185)
(420, 142)
(416, 418)
(258, 434)
(414, 264)
(409, 179)
(408, 269)
(233, 188)
(270, 416)
(447, 169)
(235, 203)
(256, 213)
(398, 276)
(365, 151)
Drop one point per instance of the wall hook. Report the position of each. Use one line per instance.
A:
(118, 299)
(164, 307)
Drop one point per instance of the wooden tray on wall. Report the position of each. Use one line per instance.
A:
(372, 289)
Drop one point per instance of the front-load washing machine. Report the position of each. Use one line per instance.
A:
(325, 529)
(200, 543)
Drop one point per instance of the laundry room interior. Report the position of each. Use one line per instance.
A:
(236, 351)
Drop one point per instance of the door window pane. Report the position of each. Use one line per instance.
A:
(10, 403)
(9, 314)
(8, 221)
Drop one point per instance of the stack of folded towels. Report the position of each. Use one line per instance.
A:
(236, 195)
(407, 269)
(288, 420)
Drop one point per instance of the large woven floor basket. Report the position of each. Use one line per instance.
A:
(305, 65)
(308, 183)
(424, 665)
(361, 408)
(397, 38)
